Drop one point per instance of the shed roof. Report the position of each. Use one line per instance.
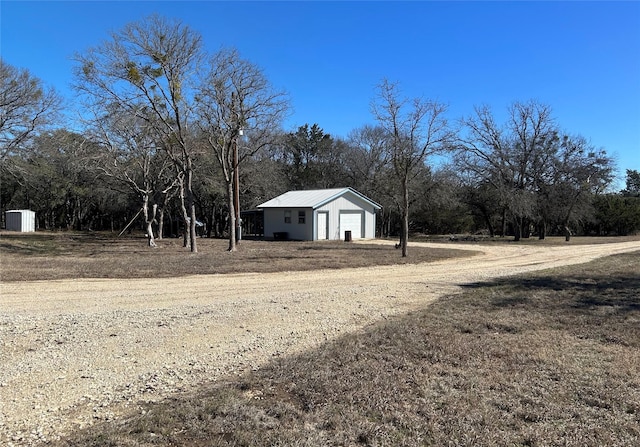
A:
(313, 198)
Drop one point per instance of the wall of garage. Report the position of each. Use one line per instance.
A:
(348, 204)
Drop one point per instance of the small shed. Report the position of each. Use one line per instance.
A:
(21, 220)
(320, 214)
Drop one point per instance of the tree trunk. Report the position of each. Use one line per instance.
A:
(151, 241)
(517, 228)
(232, 217)
(236, 192)
(161, 224)
(174, 225)
(567, 230)
(192, 209)
(77, 223)
(216, 214)
(192, 228)
(542, 229)
(504, 222)
(526, 229)
(387, 226)
(567, 233)
(487, 220)
(405, 217)
(211, 221)
(149, 220)
(185, 216)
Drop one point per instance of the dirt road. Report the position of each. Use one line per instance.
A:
(74, 352)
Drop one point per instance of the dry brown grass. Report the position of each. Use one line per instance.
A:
(48, 255)
(550, 359)
(548, 241)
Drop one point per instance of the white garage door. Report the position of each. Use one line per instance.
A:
(351, 221)
(323, 224)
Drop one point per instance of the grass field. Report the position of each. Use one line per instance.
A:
(548, 241)
(546, 359)
(58, 255)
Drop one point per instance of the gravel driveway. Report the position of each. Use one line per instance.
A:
(73, 352)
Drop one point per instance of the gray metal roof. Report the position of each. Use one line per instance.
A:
(313, 198)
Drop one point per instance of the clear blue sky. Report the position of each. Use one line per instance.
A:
(581, 58)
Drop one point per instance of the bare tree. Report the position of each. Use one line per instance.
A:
(26, 107)
(237, 98)
(574, 172)
(367, 162)
(132, 156)
(368, 169)
(149, 68)
(508, 156)
(538, 173)
(417, 128)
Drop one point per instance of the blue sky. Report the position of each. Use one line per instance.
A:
(581, 58)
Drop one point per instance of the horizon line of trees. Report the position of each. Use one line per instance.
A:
(185, 139)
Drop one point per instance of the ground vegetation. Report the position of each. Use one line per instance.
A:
(471, 369)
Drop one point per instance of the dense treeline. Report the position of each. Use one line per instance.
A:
(176, 141)
(59, 179)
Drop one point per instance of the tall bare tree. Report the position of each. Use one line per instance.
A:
(132, 156)
(417, 128)
(508, 156)
(149, 67)
(367, 163)
(368, 170)
(237, 98)
(539, 174)
(26, 108)
(565, 185)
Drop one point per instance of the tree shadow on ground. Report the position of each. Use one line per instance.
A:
(622, 290)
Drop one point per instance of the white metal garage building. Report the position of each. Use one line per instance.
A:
(320, 214)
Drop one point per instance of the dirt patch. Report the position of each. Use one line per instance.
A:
(75, 352)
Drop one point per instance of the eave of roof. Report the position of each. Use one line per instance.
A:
(312, 198)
